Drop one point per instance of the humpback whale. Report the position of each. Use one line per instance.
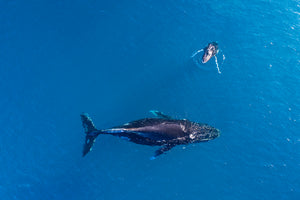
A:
(163, 131)
(210, 51)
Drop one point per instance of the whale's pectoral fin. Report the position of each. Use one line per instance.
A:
(160, 114)
(162, 150)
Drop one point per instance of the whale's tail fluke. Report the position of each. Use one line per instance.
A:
(91, 133)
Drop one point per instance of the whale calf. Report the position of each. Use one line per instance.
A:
(163, 131)
(210, 51)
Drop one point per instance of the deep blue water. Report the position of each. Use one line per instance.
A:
(117, 60)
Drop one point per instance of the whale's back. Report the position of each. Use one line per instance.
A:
(156, 128)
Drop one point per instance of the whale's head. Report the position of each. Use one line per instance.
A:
(203, 132)
(210, 51)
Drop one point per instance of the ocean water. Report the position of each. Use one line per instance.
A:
(116, 60)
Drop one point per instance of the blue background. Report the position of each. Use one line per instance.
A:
(117, 60)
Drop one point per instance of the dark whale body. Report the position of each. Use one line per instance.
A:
(163, 131)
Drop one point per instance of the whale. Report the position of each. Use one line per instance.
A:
(161, 130)
(210, 51)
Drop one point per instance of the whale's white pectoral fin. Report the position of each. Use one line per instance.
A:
(160, 114)
(154, 112)
(162, 150)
